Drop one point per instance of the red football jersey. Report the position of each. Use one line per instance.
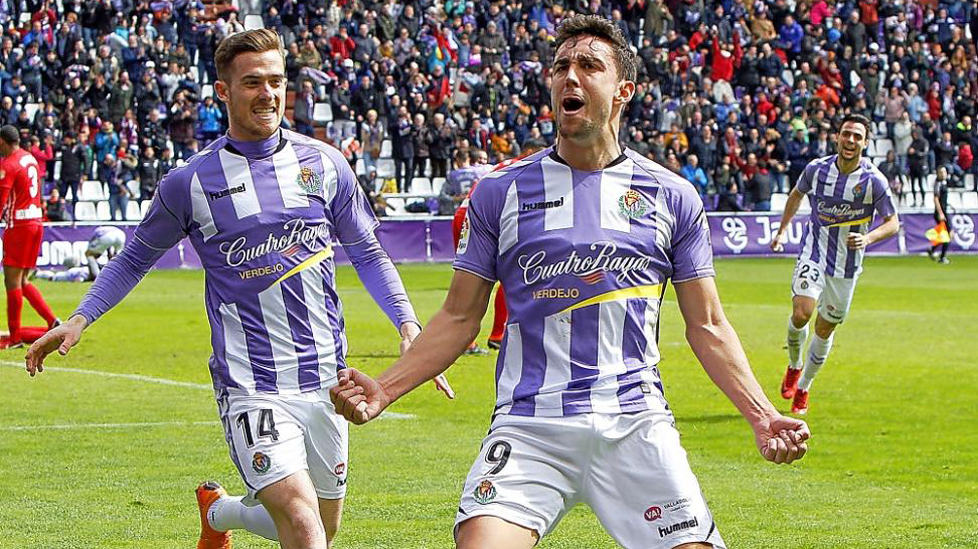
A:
(20, 189)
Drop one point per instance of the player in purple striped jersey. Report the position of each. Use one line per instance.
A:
(585, 237)
(262, 206)
(845, 191)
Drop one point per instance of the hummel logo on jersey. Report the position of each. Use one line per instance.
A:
(227, 192)
(678, 527)
(543, 204)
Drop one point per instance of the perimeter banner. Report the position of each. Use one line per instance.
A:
(430, 239)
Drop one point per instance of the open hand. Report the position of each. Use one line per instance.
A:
(62, 338)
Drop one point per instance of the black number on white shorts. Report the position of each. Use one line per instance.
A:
(266, 426)
(807, 271)
(499, 454)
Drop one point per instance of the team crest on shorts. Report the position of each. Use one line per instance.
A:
(261, 463)
(309, 181)
(632, 204)
(804, 284)
(485, 492)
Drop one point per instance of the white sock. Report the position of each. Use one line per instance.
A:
(796, 344)
(229, 513)
(818, 352)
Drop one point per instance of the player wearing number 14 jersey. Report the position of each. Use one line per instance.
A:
(845, 191)
(585, 236)
(20, 197)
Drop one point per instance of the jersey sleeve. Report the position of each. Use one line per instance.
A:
(167, 221)
(692, 251)
(478, 245)
(882, 199)
(807, 179)
(353, 218)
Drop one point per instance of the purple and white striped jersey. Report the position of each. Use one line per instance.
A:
(584, 257)
(262, 216)
(841, 203)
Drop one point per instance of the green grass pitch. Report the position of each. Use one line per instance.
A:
(94, 461)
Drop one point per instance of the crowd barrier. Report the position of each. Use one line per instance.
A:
(429, 239)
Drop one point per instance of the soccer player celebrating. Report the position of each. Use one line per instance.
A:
(20, 195)
(845, 191)
(584, 237)
(261, 207)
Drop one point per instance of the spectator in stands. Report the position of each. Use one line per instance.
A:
(894, 175)
(181, 125)
(54, 207)
(759, 189)
(73, 167)
(117, 191)
(44, 154)
(693, 173)
(106, 142)
(727, 183)
(401, 131)
(422, 140)
(917, 162)
(149, 173)
(210, 118)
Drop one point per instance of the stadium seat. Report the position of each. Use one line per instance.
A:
(883, 146)
(385, 167)
(253, 21)
(144, 207)
(420, 185)
(194, 73)
(386, 148)
(322, 113)
(436, 185)
(969, 181)
(969, 200)
(31, 109)
(91, 190)
(133, 213)
(871, 149)
(85, 211)
(207, 90)
(102, 210)
(928, 200)
(395, 206)
(929, 182)
(778, 201)
(361, 167)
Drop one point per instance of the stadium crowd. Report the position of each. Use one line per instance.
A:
(735, 95)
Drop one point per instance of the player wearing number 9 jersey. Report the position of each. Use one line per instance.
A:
(20, 197)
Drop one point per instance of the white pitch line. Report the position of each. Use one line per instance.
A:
(67, 426)
(148, 379)
(134, 377)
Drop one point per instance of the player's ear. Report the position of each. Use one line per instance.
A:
(626, 91)
(221, 90)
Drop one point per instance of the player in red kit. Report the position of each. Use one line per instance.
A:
(20, 198)
(500, 314)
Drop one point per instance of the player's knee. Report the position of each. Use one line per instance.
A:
(304, 523)
(800, 315)
(824, 329)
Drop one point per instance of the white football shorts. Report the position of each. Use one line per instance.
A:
(273, 436)
(834, 294)
(629, 468)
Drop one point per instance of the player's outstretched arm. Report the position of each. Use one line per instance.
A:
(360, 398)
(62, 338)
(779, 439)
(790, 209)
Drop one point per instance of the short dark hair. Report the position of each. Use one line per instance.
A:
(10, 134)
(250, 41)
(599, 27)
(858, 119)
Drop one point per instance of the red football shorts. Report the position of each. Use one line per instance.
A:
(21, 245)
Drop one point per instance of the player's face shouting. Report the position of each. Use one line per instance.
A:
(585, 85)
(852, 140)
(256, 95)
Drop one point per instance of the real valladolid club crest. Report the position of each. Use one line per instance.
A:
(485, 492)
(632, 204)
(858, 192)
(261, 463)
(309, 181)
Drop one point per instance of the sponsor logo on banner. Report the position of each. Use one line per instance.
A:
(735, 234)
(653, 513)
(484, 493)
(963, 229)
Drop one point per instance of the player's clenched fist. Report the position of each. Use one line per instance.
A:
(357, 396)
(782, 439)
